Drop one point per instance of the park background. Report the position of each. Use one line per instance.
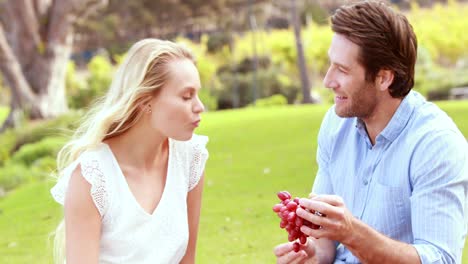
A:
(261, 65)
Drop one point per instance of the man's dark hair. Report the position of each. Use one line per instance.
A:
(386, 40)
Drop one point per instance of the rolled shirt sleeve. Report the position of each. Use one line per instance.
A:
(439, 199)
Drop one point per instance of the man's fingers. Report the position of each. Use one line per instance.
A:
(315, 233)
(314, 205)
(283, 249)
(315, 218)
(321, 208)
(334, 200)
(291, 257)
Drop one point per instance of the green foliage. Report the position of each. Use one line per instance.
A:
(240, 86)
(13, 139)
(225, 61)
(4, 111)
(13, 174)
(217, 41)
(100, 76)
(442, 30)
(435, 81)
(274, 100)
(30, 153)
(5, 98)
(73, 84)
(8, 139)
(208, 100)
(316, 12)
(442, 58)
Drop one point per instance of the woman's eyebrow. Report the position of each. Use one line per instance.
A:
(190, 88)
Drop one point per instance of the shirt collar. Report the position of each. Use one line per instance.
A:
(399, 119)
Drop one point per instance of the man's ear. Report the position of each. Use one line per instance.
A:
(384, 79)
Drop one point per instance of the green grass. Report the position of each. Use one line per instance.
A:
(27, 216)
(253, 154)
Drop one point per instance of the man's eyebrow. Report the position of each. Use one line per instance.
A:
(337, 63)
(342, 65)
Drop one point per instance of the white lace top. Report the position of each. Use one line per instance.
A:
(129, 233)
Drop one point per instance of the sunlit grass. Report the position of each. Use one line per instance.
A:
(253, 154)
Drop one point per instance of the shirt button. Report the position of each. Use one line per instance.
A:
(365, 182)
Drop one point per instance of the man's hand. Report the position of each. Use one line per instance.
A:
(306, 255)
(334, 219)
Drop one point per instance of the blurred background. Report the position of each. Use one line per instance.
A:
(261, 65)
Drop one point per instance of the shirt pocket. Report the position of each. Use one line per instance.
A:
(386, 210)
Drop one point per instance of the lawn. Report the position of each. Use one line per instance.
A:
(253, 154)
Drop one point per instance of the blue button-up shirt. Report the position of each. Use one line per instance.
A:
(412, 185)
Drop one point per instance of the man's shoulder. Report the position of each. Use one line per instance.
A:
(429, 119)
(430, 127)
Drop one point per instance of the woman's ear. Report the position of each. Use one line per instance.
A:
(384, 79)
(145, 105)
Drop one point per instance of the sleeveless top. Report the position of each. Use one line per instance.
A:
(129, 234)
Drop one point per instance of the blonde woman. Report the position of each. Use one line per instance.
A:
(131, 178)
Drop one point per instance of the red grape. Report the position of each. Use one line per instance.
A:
(296, 247)
(291, 222)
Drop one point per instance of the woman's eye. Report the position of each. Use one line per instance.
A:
(187, 97)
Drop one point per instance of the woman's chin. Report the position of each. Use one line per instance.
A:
(184, 137)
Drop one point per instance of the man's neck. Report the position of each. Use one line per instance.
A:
(380, 118)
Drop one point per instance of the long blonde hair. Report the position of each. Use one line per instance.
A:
(143, 71)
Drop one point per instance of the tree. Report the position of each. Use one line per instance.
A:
(36, 38)
(146, 18)
(306, 98)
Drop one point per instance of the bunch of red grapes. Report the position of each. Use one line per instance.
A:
(286, 210)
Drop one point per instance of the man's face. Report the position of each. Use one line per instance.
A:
(354, 96)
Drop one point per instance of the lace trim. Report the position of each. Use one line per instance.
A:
(197, 164)
(92, 172)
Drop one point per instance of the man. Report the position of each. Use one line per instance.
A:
(392, 182)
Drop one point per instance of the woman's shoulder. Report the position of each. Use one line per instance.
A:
(194, 140)
(193, 156)
(92, 164)
(195, 144)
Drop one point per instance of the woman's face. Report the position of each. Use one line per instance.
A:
(176, 108)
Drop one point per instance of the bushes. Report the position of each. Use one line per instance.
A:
(217, 41)
(273, 100)
(13, 139)
(14, 174)
(33, 161)
(440, 31)
(4, 111)
(30, 153)
(82, 94)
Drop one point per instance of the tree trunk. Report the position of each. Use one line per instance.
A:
(301, 63)
(35, 45)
